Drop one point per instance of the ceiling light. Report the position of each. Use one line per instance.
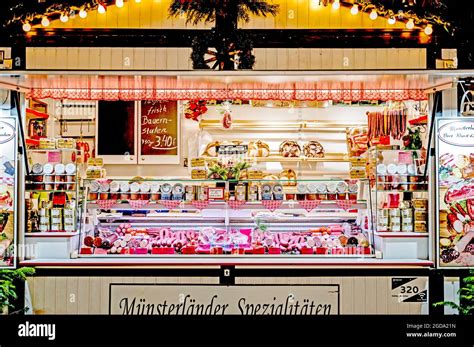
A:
(45, 21)
(101, 8)
(391, 20)
(428, 29)
(83, 13)
(336, 5)
(26, 26)
(119, 3)
(373, 15)
(64, 18)
(410, 24)
(355, 9)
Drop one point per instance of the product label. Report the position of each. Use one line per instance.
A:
(95, 162)
(198, 174)
(66, 143)
(254, 175)
(216, 193)
(198, 162)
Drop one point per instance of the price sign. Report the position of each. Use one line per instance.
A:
(159, 128)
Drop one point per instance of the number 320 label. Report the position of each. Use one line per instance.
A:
(410, 289)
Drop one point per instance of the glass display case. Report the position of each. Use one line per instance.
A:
(326, 217)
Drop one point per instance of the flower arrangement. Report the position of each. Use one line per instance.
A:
(195, 109)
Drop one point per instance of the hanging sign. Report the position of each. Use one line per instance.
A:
(455, 170)
(189, 299)
(159, 132)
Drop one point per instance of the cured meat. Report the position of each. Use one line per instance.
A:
(388, 123)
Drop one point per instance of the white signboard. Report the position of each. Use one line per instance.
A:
(189, 299)
(455, 171)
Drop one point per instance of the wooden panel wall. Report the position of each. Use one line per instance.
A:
(294, 14)
(103, 58)
(90, 295)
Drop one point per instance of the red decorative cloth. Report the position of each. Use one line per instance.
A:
(106, 204)
(200, 204)
(309, 205)
(170, 204)
(346, 204)
(272, 205)
(236, 204)
(137, 203)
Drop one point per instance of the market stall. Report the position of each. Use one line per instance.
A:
(322, 179)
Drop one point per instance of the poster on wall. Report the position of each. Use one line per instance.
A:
(455, 190)
(8, 154)
(190, 299)
(159, 132)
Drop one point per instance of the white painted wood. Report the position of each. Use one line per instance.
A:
(94, 305)
(83, 295)
(72, 295)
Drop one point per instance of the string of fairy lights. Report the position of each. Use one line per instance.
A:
(409, 18)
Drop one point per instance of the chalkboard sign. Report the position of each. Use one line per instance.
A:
(159, 128)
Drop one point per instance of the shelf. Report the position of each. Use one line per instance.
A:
(51, 182)
(328, 158)
(325, 205)
(402, 191)
(189, 180)
(52, 234)
(30, 113)
(52, 150)
(306, 125)
(51, 191)
(400, 234)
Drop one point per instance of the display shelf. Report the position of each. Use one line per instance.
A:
(51, 182)
(403, 191)
(328, 158)
(51, 191)
(189, 180)
(52, 234)
(325, 205)
(400, 234)
(52, 150)
(306, 125)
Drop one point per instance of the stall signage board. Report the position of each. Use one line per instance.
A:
(159, 132)
(455, 192)
(190, 299)
(410, 289)
(8, 193)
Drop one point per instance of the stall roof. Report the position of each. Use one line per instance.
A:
(180, 85)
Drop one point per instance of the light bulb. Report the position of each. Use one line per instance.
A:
(83, 13)
(355, 9)
(373, 15)
(336, 5)
(26, 26)
(138, 1)
(101, 8)
(428, 29)
(119, 3)
(410, 24)
(45, 21)
(391, 21)
(64, 18)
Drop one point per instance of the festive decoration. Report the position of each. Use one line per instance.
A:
(309, 205)
(226, 115)
(106, 204)
(170, 204)
(236, 204)
(200, 204)
(194, 109)
(232, 48)
(137, 203)
(272, 205)
(412, 140)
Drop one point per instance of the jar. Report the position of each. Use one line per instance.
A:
(312, 190)
(253, 192)
(104, 190)
(341, 190)
(302, 190)
(321, 190)
(395, 226)
(411, 170)
(402, 169)
(189, 193)
(420, 227)
(202, 192)
(155, 191)
(332, 191)
(381, 176)
(114, 190)
(420, 216)
(407, 227)
(124, 191)
(403, 182)
(406, 213)
(71, 176)
(94, 190)
(420, 203)
(407, 220)
(353, 188)
(394, 212)
(145, 191)
(134, 191)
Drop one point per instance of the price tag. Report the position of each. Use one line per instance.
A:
(198, 174)
(197, 162)
(47, 144)
(66, 143)
(254, 175)
(357, 161)
(95, 162)
(216, 193)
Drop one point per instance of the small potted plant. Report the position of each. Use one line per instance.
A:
(466, 294)
(8, 289)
